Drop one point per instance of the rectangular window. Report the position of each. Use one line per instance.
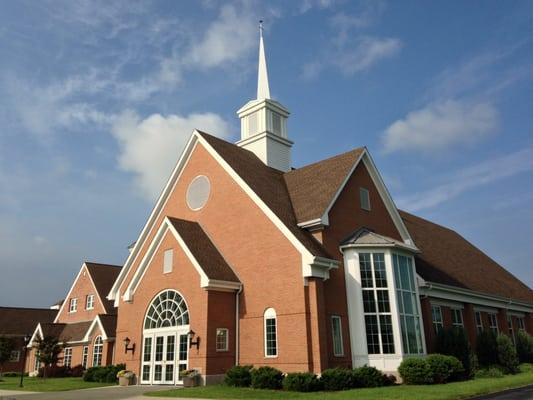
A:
(85, 357)
(73, 307)
(37, 362)
(336, 331)
(376, 305)
(521, 324)
(457, 318)
(14, 356)
(493, 323)
(167, 261)
(222, 340)
(271, 342)
(510, 327)
(436, 317)
(89, 302)
(364, 198)
(404, 275)
(67, 359)
(479, 322)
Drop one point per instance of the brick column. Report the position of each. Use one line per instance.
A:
(317, 325)
(528, 319)
(429, 332)
(446, 316)
(469, 321)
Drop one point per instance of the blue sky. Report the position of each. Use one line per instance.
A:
(97, 99)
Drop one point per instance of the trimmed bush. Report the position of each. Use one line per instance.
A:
(54, 371)
(416, 371)
(492, 372)
(445, 368)
(454, 342)
(365, 377)
(239, 376)
(267, 378)
(524, 347)
(77, 371)
(337, 379)
(107, 374)
(486, 349)
(507, 356)
(302, 382)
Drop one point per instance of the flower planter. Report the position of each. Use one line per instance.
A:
(125, 380)
(191, 381)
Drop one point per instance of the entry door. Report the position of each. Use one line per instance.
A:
(183, 355)
(164, 358)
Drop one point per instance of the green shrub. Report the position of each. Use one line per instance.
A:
(77, 371)
(54, 371)
(454, 342)
(365, 377)
(239, 375)
(415, 371)
(266, 378)
(486, 349)
(526, 367)
(507, 356)
(10, 374)
(302, 382)
(491, 372)
(337, 379)
(445, 368)
(524, 347)
(103, 374)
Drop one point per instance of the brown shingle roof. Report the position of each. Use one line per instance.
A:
(267, 183)
(73, 332)
(313, 187)
(22, 321)
(109, 322)
(103, 276)
(205, 252)
(448, 258)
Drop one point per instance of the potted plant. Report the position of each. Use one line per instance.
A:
(191, 378)
(125, 377)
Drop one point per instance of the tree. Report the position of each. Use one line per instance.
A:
(6, 347)
(48, 349)
(453, 342)
(524, 347)
(507, 356)
(487, 349)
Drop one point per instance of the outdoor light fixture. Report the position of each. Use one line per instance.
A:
(127, 346)
(196, 342)
(24, 352)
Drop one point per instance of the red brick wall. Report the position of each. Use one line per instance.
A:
(82, 287)
(267, 264)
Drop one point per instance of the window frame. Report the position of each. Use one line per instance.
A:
(89, 305)
(337, 340)
(85, 357)
(98, 344)
(437, 325)
(270, 314)
(67, 356)
(73, 305)
(510, 328)
(493, 328)
(456, 311)
(479, 323)
(366, 193)
(14, 356)
(521, 324)
(226, 339)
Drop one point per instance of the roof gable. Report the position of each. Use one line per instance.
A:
(22, 321)
(449, 259)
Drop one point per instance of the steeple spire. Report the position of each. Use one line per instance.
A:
(263, 91)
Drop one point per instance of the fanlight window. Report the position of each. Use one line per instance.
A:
(168, 309)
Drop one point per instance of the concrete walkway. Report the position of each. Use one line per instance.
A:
(101, 393)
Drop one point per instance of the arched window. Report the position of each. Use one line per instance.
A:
(97, 351)
(271, 333)
(167, 309)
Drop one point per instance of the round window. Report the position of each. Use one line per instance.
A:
(198, 192)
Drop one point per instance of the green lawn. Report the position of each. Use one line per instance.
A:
(450, 391)
(48, 385)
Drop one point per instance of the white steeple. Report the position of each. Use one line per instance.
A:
(264, 121)
(263, 91)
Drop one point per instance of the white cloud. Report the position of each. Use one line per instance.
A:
(441, 125)
(150, 147)
(307, 5)
(469, 178)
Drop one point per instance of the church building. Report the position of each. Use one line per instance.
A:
(247, 260)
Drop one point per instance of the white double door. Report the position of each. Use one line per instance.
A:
(165, 354)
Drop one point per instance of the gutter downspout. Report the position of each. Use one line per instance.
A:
(237, 325)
